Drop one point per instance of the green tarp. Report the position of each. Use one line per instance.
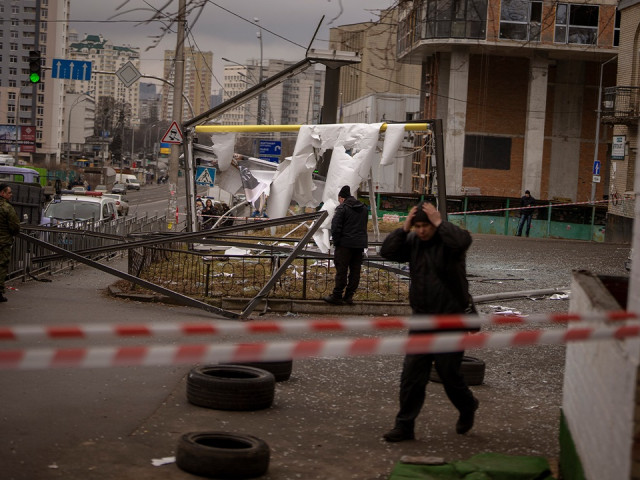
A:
(484, 466)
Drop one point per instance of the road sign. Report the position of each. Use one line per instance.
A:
(596, 167)
(596, 179)
(128, 74)
(270, 147)
(70, 69)
(173, 135)
(205, 176)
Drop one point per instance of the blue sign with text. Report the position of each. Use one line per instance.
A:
(270, 148)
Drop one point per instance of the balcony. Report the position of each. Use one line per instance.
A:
(620, 106)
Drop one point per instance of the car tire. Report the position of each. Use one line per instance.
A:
(230, 387)
(281, 370)
(222, 455)
(472, 370)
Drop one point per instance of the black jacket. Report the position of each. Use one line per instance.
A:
(437, 268)
(349, 224)
(527, 202)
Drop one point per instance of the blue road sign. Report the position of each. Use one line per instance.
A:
(270, 148)
(70, 69)
(205, 176)
(596, 167)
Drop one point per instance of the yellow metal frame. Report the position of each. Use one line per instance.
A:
(286, 128)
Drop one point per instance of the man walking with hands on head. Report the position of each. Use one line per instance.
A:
(436, 252)
(9, 228)
(349, 235)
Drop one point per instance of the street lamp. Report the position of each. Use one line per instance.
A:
(83, 96)
(260, 77)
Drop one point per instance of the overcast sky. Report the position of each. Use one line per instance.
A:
(225, 27)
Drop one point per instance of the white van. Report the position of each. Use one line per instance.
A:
(131, 181)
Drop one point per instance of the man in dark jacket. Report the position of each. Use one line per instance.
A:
(349, 235)
(9, 228)
(436, 252)
(526, 213)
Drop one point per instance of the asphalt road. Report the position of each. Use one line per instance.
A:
(326, 423)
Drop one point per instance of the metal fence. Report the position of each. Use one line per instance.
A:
(28, 259)
(215, 274)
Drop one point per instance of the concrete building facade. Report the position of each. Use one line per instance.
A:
(516, 84)
(26, 27)
(197, 83)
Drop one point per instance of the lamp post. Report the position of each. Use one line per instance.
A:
(82, 97)
(260, 74)
(595, 152)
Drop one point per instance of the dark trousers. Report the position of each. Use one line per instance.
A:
(414, 380)
(524, 218)
(348, 262)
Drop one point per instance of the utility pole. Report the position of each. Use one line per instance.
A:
(172, 210)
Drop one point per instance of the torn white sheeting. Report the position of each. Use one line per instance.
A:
(392, 139)
(347, 169)
(236, 251)
(223, 147)
(294, 178)
(158, 462)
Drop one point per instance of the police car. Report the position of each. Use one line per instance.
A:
(67, 209)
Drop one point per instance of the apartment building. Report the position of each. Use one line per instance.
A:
(27, 26)
(295, 101)
(197, 83)
(516, 84)
(105, 57)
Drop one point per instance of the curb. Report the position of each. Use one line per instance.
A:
(280, 305)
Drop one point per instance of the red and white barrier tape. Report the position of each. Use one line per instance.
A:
(354, 324)
(531, 207)
(163, 355)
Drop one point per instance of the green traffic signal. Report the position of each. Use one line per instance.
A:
(35, 66)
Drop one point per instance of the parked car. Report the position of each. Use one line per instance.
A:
(627, 262)
(101, 188)
(120, 188)
(78, 190)
(121, 205)
(71, 208)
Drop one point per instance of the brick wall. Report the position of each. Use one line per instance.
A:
(497, 105)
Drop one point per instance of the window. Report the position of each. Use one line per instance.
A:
(13, 59)
(481, 151)
(616, 30)
(577, 24)
(12, 95)
(520, 20)
(13, 71)
(455, 18)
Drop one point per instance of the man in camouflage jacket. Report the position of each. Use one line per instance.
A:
(9, 228)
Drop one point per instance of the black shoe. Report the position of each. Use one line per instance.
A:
(465, 421)
(398, 435)
(333, 300)
(348, 300)
(3, 298)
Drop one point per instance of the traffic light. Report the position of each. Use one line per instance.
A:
(35, 67)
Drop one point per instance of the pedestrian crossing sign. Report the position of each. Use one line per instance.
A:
(205, 176)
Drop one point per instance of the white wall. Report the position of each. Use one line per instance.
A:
(599, 390)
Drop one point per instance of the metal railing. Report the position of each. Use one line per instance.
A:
(209, 275)
(621, 105)
(28, 259)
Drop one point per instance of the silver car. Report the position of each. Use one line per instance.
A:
(121, 205)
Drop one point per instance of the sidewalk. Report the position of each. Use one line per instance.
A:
(327, 420)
